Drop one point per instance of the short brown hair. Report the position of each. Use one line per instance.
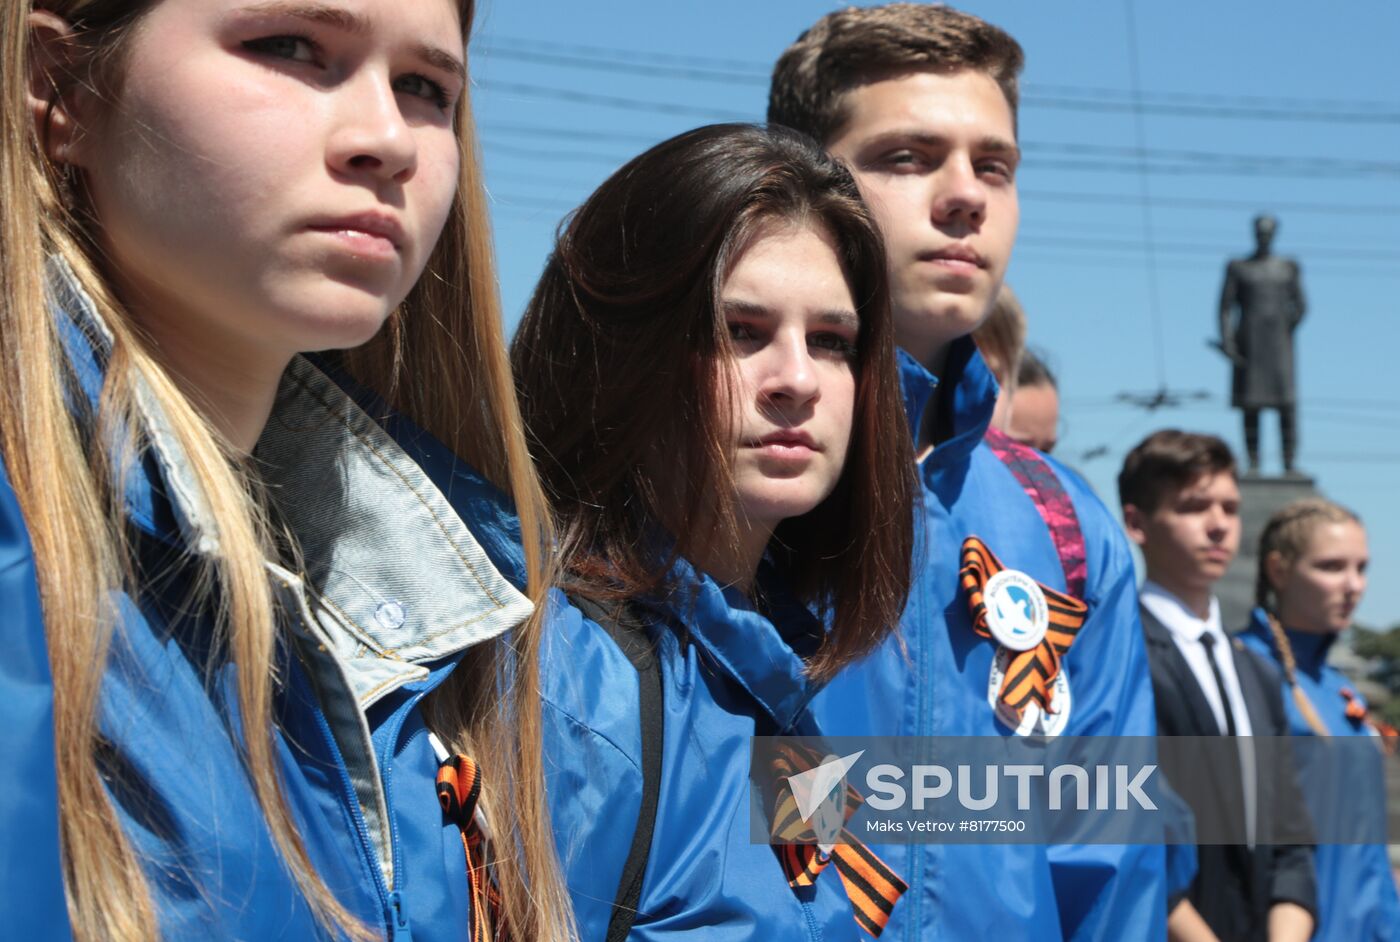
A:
(854, 46)
(1170, 460)
(616, 360)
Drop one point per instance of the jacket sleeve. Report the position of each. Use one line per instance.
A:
(1109, 890)
(32, 906)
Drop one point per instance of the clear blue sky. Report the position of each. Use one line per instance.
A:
(1287, 106)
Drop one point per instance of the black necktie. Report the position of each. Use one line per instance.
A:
(1208, 640)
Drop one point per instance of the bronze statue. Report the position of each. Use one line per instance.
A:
(1267, 290)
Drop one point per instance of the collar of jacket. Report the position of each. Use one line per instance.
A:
(1310, 649)
(756, 650)
(391, 577)
(972, 387)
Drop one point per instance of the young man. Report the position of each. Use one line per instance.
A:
(920, 102)
(1181, 504)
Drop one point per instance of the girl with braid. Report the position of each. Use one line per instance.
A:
(1312, 573)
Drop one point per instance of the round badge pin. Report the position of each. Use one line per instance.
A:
(1033, 721)
(1017, 614)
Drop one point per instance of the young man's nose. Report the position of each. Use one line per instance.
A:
(958, 195)
(371, 135)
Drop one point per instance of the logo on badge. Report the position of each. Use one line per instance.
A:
(820, 794)
(1033, 721)
(1017, 615)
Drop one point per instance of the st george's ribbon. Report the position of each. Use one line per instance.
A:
(1030, 675)
(871, 885)
(1358, 713)
(458, 791)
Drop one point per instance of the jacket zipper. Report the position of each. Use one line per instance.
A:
(389, 900)
(399, 918)
(814, 931)
(386, 768)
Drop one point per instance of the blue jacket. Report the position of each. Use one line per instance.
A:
(32, 906)
(1356, 896)
(728, 673)
(392, 589)
(1004, 891)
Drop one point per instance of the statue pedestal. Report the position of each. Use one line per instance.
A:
(1260, 496)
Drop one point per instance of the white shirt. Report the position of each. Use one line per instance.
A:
(1186, 630)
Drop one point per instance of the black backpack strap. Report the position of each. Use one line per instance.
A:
(629, 632)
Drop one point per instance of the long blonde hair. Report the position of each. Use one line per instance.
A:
(1287, 534)
(448, 330)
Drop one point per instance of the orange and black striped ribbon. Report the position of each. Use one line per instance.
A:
(1359, 713)
(871, 885)
(1356, 710)
(458, 790)
(1030, 676)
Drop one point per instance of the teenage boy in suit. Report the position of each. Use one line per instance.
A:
(1181, 505)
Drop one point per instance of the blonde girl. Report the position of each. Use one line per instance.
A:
(1313, 562)
(250, 598)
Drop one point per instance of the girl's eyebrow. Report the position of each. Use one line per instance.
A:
(745, 308)
(835, 317)
(353, 23)
(840, 318)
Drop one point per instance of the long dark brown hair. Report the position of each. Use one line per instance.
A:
(618, 362)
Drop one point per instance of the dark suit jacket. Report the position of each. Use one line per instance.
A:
(1235, 885)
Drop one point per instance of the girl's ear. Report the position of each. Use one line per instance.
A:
(54, 89)
(1276, 571)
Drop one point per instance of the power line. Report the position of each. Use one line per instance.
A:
(1095, 224)
(1179, 202)
(576, 134)
(1079, 98)
(534, 153)
(1265, 168)
(613, 101)
(1215, 111)
(1311, 164)
(1195, 248)
(1042, 249)
(1250, 162)
(1032, 195)
(716, 63)
(701, 74)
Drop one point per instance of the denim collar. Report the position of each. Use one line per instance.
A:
(972, 387)
(390, 574)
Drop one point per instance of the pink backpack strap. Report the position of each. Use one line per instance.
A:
(1043, 487)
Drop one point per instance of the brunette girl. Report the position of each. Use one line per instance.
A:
(1312, 574)
(706, 371)
(247, 587)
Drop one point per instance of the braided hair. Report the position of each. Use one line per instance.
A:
(1287, 534)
